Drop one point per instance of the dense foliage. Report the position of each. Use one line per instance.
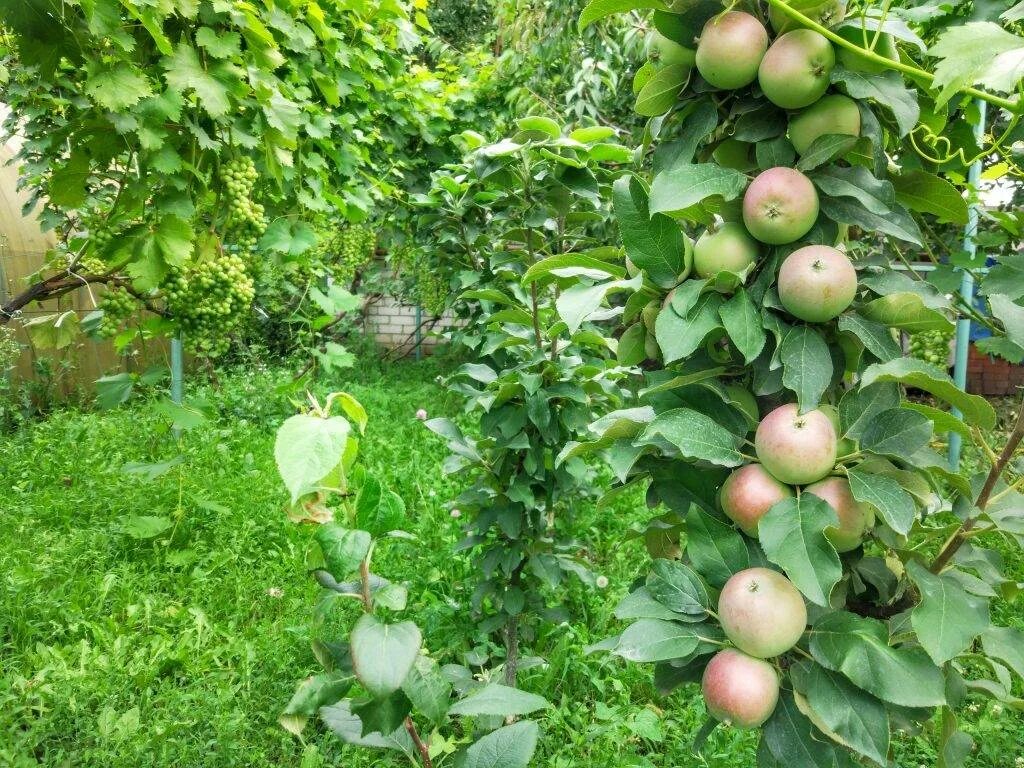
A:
(512, 229)
(774, 432)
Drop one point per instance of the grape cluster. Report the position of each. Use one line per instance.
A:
(209, 301)
(100, 238)
(91, 265)
(348, 250)
(431, 290)
(246, 219)
(118, 306)
(931, 346)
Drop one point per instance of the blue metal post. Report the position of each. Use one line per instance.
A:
(419, 332)
(177, 375)
(963, 324)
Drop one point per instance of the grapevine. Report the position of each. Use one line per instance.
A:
(118, 307)
(347, 251)
(208, 301)
(246, 221)
(931, 346)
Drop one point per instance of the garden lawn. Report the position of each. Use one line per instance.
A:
(165, 621)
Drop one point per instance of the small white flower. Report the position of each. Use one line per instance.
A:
(275, 592)
(601, 581)
(1019, 762)
(455, 513)
(997, 709)
(973, 709)
(421, 414)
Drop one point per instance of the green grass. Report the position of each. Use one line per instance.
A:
(176, 650)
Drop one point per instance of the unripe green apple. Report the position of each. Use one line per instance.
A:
(780, 206)
(739, 690)
(817, 283)
(761, 612)
(727, 248)
(797, 448)
(665, 52)
(795, 71)
(832, 114)
(854, 518)
(828, 13)
(730, 49)
(748, 493)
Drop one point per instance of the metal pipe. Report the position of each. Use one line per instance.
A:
(177, 374)
(419, 332)
(963, 324)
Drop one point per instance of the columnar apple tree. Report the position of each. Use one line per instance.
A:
(819, 568)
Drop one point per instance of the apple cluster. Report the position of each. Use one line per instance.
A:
(761, 612)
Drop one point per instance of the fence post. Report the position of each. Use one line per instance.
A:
(419, 332)
(963, 324)
(177, 374)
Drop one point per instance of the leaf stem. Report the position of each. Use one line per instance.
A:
(1014, 107)
(424, 751)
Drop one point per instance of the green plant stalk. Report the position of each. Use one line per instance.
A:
(1015, 107)
(964, 531)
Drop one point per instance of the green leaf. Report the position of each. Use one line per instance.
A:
(117, 87)
(977, 53)
(640, 604)
(825, 149)
(1011, 315)
(428, 689)
(349, 728)
(577, 303)
(875, 337)
(661, 92)
(572, 265)
(875, 195)
(378, 510)
(695, 435)
(897, 432)
(859, 648)
(220, 46)
(887, 89)
(307, 449)
(655, 244)
(648, 640)
(1006, 277)
(682, 186)
(540, 124)
(511, 746)
(1007, 645)
(67, 182)
(716, 550)
(916, 373)
(383, 654)
(678, 588)
(792, 534)
(792, 739)
(343, 549)
(926, 193)
(318, 691)
(145, 526)
(599, 9)
(773, 153)
(908, 312)
(184, 71)
(173, 236)
(857, 719)
(113, 390)
(895, 506)
(678, 337)
(292, 238)
(806, 365)
(944, 421)
(742, 321)
(496, 699)
(897, 222)
(947, 619)
(860, 406)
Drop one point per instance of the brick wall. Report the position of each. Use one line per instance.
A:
(393, 325)
(991, 375)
